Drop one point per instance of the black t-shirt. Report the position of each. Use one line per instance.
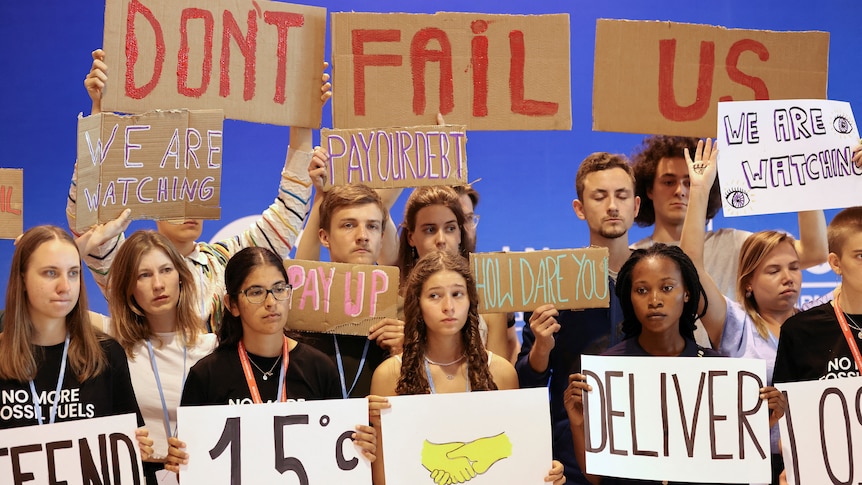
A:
(350, 347)
(812, 346)
(218, 378)
(107, 394)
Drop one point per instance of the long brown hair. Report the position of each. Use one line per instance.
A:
(419, 199)
(412, 379)
(754, 250)
(129, 320)
(18, 356)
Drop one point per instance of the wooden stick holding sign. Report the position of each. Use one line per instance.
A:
(489, 72)
(680, 419)
(397, 157)
(666, 77)
(11, 202)
(83, 452)
(161, 164)
(340, 298)
(821, 431)
(257, 60)
(787, 156)
(522, 281)
(301, 442)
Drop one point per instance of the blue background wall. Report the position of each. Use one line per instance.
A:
(527, 177)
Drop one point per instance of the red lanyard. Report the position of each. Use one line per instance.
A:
(249, 375)
(851, 340)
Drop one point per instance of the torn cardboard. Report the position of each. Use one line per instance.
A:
(570, 279)
(486, 71)
(340, 298)
(257, 60)
(667, 77)
(397, 157)
(161, 165)
(11, 202)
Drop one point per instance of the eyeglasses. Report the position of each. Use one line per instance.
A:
(257, 294)
(474, 220)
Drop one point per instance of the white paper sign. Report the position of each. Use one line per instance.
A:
(821, 432)
(486, 437)
(97, 450)
(786, 156)
(677, 418)
(293, 442)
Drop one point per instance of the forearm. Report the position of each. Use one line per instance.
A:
(309, 244)
(812, 245)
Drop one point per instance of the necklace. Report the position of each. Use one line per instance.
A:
(446, 364)
(266, 374)
(854, 325)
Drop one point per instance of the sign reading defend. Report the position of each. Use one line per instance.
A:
(666, 78)
(11, 202)
(340, 298)
(489, 72)
(161, 164)
(522, 281)
(397, 157)
(255, 59)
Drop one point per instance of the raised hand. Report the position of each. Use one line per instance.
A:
(389, 335)
(702, 169)
(102, 233)
(96, 80)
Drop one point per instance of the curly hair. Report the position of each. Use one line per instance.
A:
(653, 149)
(413, 379)
(631, 326)
(419, 199)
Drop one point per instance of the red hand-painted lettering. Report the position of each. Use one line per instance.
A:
(247, 46)
(419, 56)
(183, 54)
(283, 21)
(360, 60)
(667, 103)
(132, 90)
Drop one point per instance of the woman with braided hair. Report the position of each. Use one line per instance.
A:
(443, 352)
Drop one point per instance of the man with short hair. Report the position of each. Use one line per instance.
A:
(554, 341)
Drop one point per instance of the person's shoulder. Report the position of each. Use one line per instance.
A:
(503, 372)
(623, 348)
(385, 377)
(642, 244)
(810, 319)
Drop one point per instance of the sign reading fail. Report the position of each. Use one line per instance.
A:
(679, 419)
(11, 202)
(397, 157)
(161, 164)
(340, 298)
(666, 77)
(489, 72)
(569, 279)
(787, 156)
(83, 452)
(257, 60)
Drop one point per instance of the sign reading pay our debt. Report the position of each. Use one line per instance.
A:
(522, 281)
(161, 164)
(787, 156)
(397, 157)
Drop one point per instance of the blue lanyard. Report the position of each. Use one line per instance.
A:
(161, 391)
(431, 381)
(344, 391)
(36, 407)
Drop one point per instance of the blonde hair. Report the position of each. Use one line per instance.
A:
(18, 357)
(128, 318)
(754, 251)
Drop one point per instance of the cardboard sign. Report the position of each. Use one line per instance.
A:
(340, 298)
(11, 202)
(292, 442)
(83, 452)
(679, 419)
(397, 157)
(821, 434)
(478, 438)
(489, 72)
(256, 60)
(666, 77)
(523, 281)
(787, 156)
(162, 165)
